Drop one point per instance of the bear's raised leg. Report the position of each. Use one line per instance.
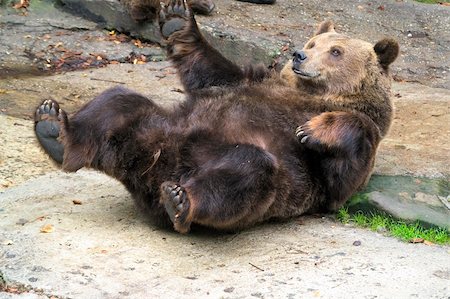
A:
(199, 65)
(46, 127)
(346, 144)
(225, 186)
(103, 133)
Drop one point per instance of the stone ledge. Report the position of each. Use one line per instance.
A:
(407, 198)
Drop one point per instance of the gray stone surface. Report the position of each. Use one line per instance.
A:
(103, 249)
(113, 15)
(49, 38)
(407, 198)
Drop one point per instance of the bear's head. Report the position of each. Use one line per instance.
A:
(334, 64)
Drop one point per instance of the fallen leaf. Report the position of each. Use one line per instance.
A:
(3, 91)
(48, 228)
(285, 48)
(22, 4)
(429, 243)
(138, 43)
(6, 183)
(416, 240)
(77, 202)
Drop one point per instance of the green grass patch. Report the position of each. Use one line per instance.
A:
(400, 229)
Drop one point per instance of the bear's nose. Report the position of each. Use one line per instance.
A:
(299, 56)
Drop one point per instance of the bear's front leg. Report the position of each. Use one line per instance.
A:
(199, 65)
(47, 129)
(343, 147)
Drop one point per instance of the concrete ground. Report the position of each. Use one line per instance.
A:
(79, 236)
(102, 249)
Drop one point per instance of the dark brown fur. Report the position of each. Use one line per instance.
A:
(229, 152)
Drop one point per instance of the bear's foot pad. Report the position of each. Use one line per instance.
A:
(47, 126)
(176, 203)
(173, 17)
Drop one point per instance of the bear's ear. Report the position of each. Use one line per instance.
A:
(387, 51)
(325, 26)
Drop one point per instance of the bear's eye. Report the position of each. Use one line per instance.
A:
(310, 45)
(336, 52)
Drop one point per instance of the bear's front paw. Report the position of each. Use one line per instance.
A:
(173, 16)
(176, 203)
(328, 131)
(312, 136)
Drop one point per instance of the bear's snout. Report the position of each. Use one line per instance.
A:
(299, 56)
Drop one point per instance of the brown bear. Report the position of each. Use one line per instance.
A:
(232, 154)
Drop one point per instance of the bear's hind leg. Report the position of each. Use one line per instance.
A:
(47, 129)
(225, 186)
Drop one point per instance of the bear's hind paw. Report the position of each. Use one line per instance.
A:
(48, 110)
(47, 127)
(176, 203)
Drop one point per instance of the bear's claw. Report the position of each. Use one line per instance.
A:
(48, 110)
(173, 16)
(47, 126)
(302, 134)
(176, 203)
(307, 138)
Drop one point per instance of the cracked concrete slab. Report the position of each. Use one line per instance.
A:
(102, 248)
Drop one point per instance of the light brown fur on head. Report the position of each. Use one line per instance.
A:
(345, 71)
(338, 63)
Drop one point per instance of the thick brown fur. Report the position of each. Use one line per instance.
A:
(246, 145)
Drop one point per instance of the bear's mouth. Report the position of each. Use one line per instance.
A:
(309, 75)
